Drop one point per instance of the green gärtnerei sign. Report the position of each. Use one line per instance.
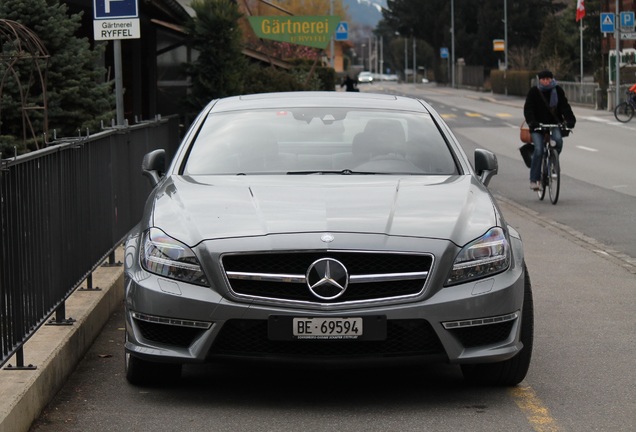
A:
(313, 31)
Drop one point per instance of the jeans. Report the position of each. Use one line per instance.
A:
(537, 140)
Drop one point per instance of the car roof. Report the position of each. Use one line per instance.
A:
(317, 99)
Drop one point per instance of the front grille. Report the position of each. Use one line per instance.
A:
(248, 338)
(372, 276)
(168, 334)
(483, 334)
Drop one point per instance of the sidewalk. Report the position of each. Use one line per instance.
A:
(56, 350)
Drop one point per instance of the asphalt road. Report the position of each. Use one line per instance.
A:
(581, 377)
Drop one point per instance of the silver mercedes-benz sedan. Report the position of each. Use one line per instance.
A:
(327, 228)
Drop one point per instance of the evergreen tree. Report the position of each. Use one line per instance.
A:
(77, 95)
(220, 67)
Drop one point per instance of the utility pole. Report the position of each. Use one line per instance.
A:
(414, 62)
(406, 58)
(453, 43)
(617, 38)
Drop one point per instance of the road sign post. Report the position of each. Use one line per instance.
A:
(116, 20)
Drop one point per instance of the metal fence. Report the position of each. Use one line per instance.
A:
(63, 211)
(586, 94)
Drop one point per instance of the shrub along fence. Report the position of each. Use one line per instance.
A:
(63, 211)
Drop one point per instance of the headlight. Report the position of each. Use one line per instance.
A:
(165, 256)
(483, 257)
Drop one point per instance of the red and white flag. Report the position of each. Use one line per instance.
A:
(580, 10)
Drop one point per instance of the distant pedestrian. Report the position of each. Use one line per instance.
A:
(350, 84)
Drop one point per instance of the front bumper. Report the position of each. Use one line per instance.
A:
(454, 325)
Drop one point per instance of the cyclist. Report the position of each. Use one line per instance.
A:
(632, 90)
(545, 103)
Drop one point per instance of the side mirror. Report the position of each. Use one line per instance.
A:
(153, 166)
(486, 165)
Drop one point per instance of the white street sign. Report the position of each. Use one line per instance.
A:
(116, 29)
(115, 19)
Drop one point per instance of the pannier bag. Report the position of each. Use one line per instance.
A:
(524, 133)
(526, 151)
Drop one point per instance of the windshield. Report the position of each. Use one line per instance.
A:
(319, 141)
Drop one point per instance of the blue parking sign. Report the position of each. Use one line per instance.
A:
(627, 20)
(443, 53)
(115, 9)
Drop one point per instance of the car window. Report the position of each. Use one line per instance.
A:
(319, 140)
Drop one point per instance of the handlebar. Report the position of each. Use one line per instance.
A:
(555, 125)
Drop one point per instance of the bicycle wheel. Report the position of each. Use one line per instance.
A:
(544, 177)
(554, 177)
(624, 112)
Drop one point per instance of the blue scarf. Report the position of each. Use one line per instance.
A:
(554, 99)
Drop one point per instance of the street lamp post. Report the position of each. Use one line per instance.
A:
(406, 59)
(363, 52)
(370, 54)
(505, 35)
(381, 54)
(505, 20)
(331, 47)
(617, 39)
(414, 62)
(453, 43)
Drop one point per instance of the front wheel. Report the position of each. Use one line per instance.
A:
(624, 112)
(544, 177)
(554, 177)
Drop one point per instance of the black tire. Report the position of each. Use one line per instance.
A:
(554, 177)
(624, 112)
(142, 372)
(509, 372)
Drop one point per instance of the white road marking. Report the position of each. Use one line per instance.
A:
(587, 148)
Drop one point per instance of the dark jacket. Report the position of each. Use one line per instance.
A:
(350, 83)
(536, 109)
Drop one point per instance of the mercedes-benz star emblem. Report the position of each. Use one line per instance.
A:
(327, 238)
(327, 278)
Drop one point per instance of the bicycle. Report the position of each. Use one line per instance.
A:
(624, 111)
(550, 167)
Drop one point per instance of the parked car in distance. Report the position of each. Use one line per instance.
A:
(365, 77)
(329, 228)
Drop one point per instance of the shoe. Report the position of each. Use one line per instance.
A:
(535, 186)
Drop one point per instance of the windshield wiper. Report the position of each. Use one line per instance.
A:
(340, 172)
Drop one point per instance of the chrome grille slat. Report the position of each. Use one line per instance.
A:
(266, 277)
(388, 277)
(302, 279)
(281, 276)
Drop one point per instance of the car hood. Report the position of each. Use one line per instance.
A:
(193, 209)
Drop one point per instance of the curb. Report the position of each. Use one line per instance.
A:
(55, 351)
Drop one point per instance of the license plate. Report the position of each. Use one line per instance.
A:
(360, 328)
(327, 328)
